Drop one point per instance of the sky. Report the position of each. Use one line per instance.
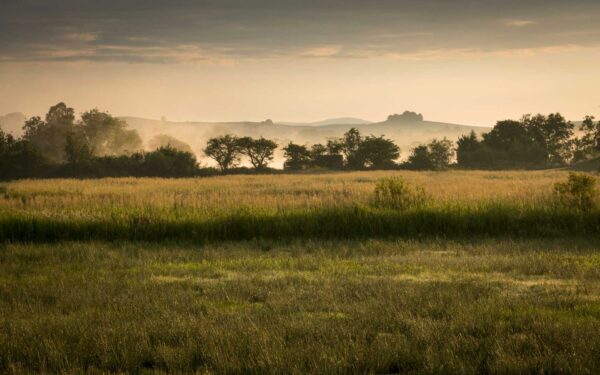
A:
(463, 61)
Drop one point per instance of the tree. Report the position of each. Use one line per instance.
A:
(588, 145)
(349, 145)
(259, 151)
(420, 159)
(467, 149)
(225, 150)
(441, 152)
(511, 145)
(334, 147)
(18, 159)
(317, 150)
(552, 134)
(377, 153)
(49, 137)
(297, 157)
(170, 162)
(108, 135)
(77, 150)
(434, 156)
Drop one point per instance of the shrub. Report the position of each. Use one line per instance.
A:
(394, 192)
(578, 192)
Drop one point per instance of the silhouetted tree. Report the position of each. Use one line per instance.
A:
(259, 151)
(588, 145)
(18, 159)
(49, 137)
(108, 135)
(297, 157)
(376, 153)
(420, 159)
(467, 149)
(317, 150)
(225, 150)
(553, 134)
(349, 145)
(441, 152)
(512, 146)
(435, 156)
(170, 162)
(77, 150)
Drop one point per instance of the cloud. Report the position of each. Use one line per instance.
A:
(321, 51)
(184, 31)
(81, 37)
(520, 23)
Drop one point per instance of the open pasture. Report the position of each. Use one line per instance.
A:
(328, 205)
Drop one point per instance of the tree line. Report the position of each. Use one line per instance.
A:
(100, 145)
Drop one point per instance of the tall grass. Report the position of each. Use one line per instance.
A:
(459, 204)
(423, 307)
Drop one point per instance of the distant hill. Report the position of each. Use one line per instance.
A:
(406, 132)
(13, 123)
(331, 121)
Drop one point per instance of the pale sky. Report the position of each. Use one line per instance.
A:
(462, 61)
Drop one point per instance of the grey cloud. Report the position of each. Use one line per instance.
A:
(161, 31)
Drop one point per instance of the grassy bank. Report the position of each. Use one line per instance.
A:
(302, 306)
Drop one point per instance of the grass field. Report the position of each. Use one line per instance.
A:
(531, 306)
(460, 204)
(297, 274)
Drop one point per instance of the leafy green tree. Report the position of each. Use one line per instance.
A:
(441, 152)
(259, 151)
(297, 157)
(225, 150)
(420, 159)
(511, 145)
(553, 134)
(435, 156)
(377, 153)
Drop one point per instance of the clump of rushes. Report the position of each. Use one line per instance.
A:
(578, 192)
(395, 193)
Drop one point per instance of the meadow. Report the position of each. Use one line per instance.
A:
(426, 307)
(298, 274)
(329, 205)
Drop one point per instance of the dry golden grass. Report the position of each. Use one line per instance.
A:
(272, 191)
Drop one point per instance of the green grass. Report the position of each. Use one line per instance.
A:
(298, 274)
(301, 306)
(451, 221)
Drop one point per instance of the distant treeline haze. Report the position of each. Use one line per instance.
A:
(99, 145)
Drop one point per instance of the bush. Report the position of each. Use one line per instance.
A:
(394, 192)
(578, 192)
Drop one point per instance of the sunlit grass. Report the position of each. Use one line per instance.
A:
(328, 205)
